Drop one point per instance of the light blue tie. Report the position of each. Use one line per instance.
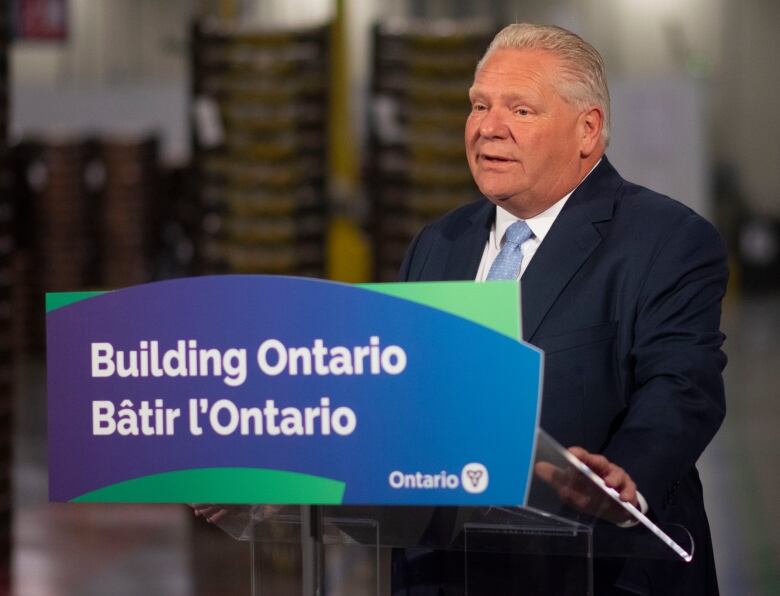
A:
(507, 263)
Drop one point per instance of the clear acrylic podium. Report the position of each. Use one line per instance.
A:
(570, 519)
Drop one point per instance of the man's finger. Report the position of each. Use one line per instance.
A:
(614, 476)
(215, 517)
(619, 480)
(551, 473)
(598, 463)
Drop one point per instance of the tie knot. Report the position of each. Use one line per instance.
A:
(518, 232)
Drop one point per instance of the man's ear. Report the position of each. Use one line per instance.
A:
(591, 124)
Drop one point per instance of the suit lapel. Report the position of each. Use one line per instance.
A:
(468, 243)
(569, 243)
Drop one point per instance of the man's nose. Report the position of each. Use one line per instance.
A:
(493, 125)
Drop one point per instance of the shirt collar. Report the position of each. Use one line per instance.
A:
(540, 224)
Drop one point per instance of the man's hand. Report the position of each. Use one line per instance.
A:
(613, 476)
(578, 491)
(213, 513)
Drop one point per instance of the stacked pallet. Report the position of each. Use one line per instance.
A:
(422, 73)
(85, 220)
(56, 230)
(128, 211)
(260, 107)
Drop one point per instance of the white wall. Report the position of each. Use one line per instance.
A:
(110, 42)
(747, 88)
(123, 70)
(660, 139)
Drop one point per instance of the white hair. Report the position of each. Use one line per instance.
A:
(583, 76)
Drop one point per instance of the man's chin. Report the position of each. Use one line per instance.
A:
(501, 200)
(512, 204)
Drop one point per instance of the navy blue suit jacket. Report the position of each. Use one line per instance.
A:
(623, 295)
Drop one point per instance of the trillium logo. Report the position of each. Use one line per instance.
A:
(474, 478)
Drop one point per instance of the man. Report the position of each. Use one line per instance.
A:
(621, 287)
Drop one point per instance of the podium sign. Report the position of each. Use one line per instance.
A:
(257, 389)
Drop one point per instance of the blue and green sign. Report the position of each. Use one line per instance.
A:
(257, 389)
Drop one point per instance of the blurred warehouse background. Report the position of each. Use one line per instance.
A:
(149, 139)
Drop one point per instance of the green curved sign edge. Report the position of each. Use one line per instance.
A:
(478, 302)
(222, 485)
(473, 301)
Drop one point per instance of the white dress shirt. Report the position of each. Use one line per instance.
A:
(539, 224)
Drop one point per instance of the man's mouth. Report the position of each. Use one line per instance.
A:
(496, 159)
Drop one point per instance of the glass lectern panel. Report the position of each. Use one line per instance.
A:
(570, 517)
(564, 487)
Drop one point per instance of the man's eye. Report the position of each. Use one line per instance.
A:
(478, 107)
(521, 111)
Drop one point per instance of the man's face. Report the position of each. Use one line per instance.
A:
(523, 139)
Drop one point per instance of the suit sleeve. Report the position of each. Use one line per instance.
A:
(415, 256)
(676, 358)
